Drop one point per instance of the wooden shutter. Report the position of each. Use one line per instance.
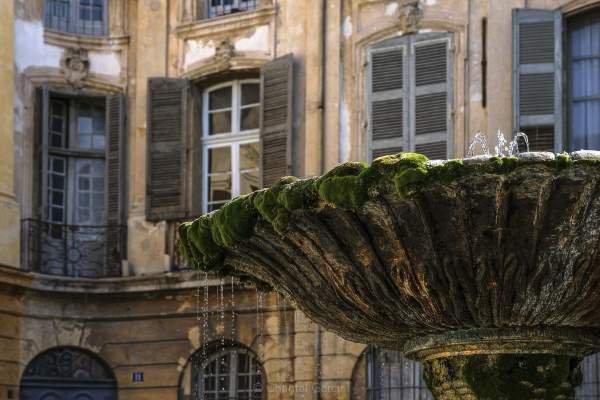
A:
(115, 182)
(42, 109)
(537, 83)
(431, 98)
(115, 158)
(167, 149)
(276, 80)
(386, 98)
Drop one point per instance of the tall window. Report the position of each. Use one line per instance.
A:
(230, 142)
(234, 373)
(221, 7)
(83, 17)
(390, 376)
(409, 89)
(584, 81)
(76, 165)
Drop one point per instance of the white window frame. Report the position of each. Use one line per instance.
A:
(212, 11)
(74, 21)
(233, 139)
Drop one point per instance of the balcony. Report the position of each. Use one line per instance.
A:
(72, 250)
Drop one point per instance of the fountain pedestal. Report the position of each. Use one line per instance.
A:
(503, 364)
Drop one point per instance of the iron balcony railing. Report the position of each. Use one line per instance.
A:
(72, 250)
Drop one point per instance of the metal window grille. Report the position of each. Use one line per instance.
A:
(217, 8)
(82, 17)
(390, 376)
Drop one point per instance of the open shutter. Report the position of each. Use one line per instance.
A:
(537, 83)
(167, 149)
(386, 99)
(115, 158)
(40, 167)
(276, 119)
(115, 182)
(431, 105)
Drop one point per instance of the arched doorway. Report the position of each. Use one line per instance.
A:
(68, 373)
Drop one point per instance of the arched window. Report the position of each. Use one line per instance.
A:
(68, 373)
(387, 375)
(225, 374)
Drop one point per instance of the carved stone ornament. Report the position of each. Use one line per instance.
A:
(224, 52)
(76, 66)
(409, 17)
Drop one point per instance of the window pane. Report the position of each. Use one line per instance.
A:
(249, 118)
(219, 187)
(90, 196)
(220, 98)
(250, 93)
(219, 122)
(249, 182)
(219, 160)
(58, 123)
(249, 156)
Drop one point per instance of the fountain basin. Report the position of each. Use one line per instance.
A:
(490, 262)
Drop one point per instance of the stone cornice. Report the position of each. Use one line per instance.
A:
(94, 43)
(225, 25)
(152, 283)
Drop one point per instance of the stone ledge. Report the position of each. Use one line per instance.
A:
(226, 24)
(97, 43)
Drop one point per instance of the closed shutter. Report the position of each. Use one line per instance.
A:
(537, 83)
(430, 85)
(167, 149)
(387, 105)
(115, 182)
(276, 119)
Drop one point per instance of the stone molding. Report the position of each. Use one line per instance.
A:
(213, 66)
(54, 76)
(225, 25)
(90, 43)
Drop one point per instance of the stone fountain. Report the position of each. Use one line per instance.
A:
(486, 270)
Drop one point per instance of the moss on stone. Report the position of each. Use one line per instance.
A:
(234, 221)
(348, 186)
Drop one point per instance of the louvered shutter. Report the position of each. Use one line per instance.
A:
(115, 182)
(386, 87)
(431, 98)
(276, 119)
(537, 83)
(167, 149)
(42, 108)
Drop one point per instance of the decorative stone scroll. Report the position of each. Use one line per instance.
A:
(409, 17)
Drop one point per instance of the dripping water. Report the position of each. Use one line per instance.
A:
(222, 311)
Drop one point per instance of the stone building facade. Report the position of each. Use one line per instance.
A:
(122, 118)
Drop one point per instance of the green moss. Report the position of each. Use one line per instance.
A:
(348, 186)
(563, 160)
(234, 221)
(343, 186)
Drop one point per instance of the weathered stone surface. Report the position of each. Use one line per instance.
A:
(494, 245)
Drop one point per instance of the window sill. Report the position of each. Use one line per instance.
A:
(226, 23)
(97, 43)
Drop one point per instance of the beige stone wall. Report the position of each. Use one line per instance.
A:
(156, 331)
(9, 209)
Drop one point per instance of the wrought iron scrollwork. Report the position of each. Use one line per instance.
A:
(73, 250)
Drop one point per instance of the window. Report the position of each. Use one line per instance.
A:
(78, 228)
(83, 17)
(387, 375)
(222, 7)
(230, 142)
(76, 162)
(584, 85)
(409, 88)
(233, 373)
